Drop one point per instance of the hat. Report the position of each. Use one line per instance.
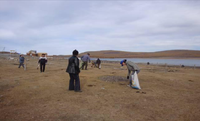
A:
(123, 61)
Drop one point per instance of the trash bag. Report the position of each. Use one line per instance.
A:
(135, 81)
(25, 67)
(81, 64)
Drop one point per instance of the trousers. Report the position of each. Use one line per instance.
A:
(85, 63)
(74, 78)
(21, 64)
(42, 67)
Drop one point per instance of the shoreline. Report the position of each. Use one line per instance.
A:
(66, 56)
(158, 64)
(150, 58)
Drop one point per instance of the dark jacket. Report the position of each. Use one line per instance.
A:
(73, 65)
(21, 59)
(98, 61)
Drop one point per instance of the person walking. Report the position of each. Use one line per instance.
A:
(132, 67)
(85, 59)
(42, 61)
(73, 70)
(21, 61)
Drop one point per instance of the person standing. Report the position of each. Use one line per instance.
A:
(42, 61)
(132, 67)
(85, 60)
(21, 61)
(73, 70)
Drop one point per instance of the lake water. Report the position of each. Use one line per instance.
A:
(186, 62)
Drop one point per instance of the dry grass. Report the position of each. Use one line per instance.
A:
(33, 96)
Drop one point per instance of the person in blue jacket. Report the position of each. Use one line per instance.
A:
(85, 59)
(21, 61)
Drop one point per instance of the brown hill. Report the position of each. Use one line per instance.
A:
(159, 54)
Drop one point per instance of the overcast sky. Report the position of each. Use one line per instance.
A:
(59, 27)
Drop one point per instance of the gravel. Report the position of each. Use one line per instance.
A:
(113, 78)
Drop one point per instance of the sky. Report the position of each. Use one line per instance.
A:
(57, 27)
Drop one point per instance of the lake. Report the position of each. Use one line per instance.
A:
(185, 62)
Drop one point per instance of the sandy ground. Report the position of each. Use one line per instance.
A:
(167, 94)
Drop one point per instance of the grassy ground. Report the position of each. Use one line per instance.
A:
(168, 93)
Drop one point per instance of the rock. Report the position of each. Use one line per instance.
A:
(90, 85)
(143, 92)
(191, 80)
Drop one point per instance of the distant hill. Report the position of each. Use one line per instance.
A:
(159, 54)
(4, 52)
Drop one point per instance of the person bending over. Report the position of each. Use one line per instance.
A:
(132, 67)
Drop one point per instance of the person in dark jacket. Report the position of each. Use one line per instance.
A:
(73, 70)
(98, 63)
(21, 61)
(42, 61)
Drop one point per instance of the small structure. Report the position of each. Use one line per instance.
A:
(32, 53)
(13, 52)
